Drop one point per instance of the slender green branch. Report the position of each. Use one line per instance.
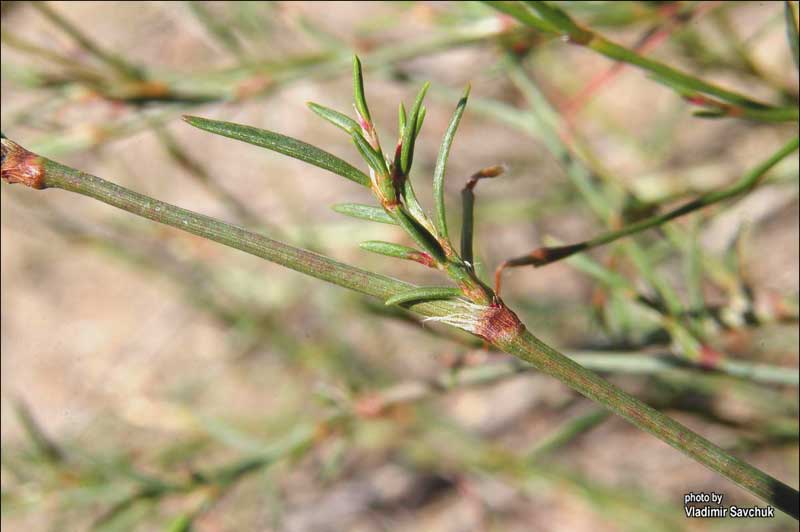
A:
(218, 29)
(21, 166)
(789, 12)
(567, 432)
(468, 207)
(624, 363)
(76, 69)
(496, 323)
(550, 19)
(549, 361)
(114, 61)
(546, 255)
(49, 450)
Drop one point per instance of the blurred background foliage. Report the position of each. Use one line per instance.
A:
(152, 380)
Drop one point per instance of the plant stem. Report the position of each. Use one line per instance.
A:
(114, 61)
(55, 175)
(549, 361)
(546, 255)
(497, 324)
(550, 19)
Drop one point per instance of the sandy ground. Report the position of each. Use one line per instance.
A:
(113, 359)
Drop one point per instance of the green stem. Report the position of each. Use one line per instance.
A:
(549, 361)
(550, 19)
(547, 255)
(218, 29)
(112, 60)
(745, 108)
(467, 223)
(56, 175)
(495, 323)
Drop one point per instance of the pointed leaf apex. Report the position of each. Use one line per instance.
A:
(358, 90)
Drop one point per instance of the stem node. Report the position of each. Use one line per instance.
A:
(21, 166)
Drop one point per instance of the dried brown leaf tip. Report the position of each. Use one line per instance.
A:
(21, 166)
(485, 173)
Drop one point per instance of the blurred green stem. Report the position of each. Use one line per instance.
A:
(547, 255)
(550, 19)
(123, 68)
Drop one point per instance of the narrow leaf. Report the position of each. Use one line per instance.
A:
(387, 248)
(441, 164)
(522, 13)
(396, 250)
(420, 235)
(425, 293)
(792, 32)
(373, 158)
(401, 120)
(412, 204)
(358, 90)
(558, 18)
(336, 118)
(420, 120)
(281, 144)
(409, 133)
(364, 212)
(709, 114)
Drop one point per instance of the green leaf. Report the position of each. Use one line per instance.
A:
(401, 120)
(336, 118)
(365, 212)
(412, 204)
(182, 523)
(409, 133)
(390, 250)
(422, 111)
(441, 164)
(373, 158)
(358, 90)
(791, 32)
(420, 235)
(523, 14)
(424, 293)
(387, 248)
(559, 19)
(281, 144)
(710, 114)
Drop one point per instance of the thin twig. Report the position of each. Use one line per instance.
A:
(468, 204)
(114, 61)
(547, 255)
